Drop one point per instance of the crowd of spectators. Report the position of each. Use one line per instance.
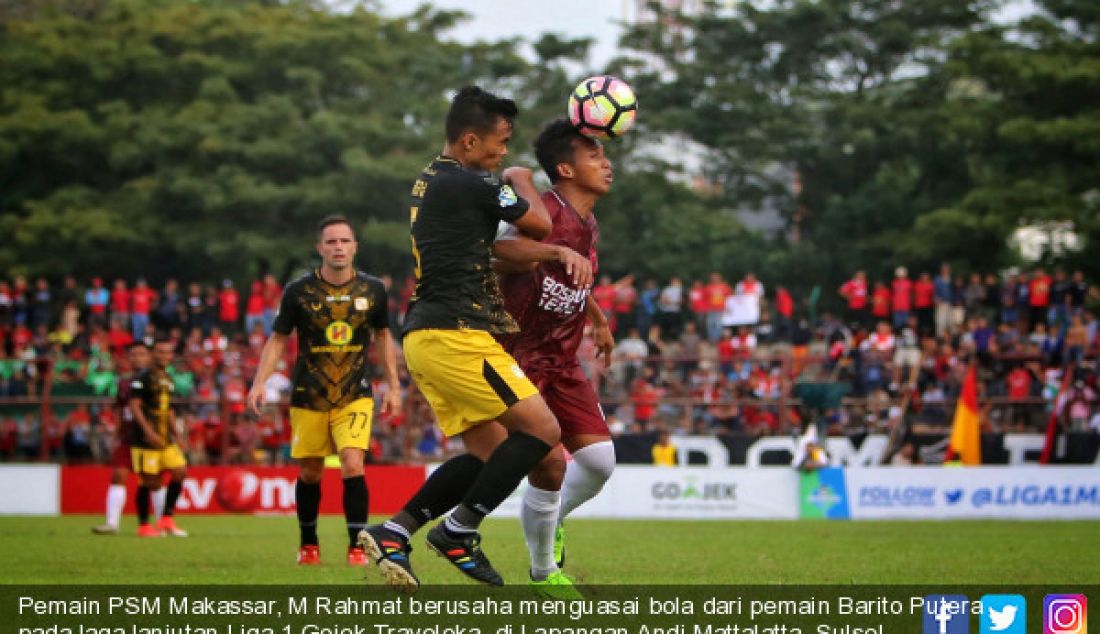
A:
(697, 357)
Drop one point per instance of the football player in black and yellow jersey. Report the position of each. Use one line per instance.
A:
(154, 443)
(476, 389)
(336, 310)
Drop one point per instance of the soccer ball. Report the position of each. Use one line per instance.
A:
(603, 107)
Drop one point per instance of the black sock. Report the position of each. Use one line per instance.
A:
(356, 500)
(142, 500)
(510, 462)
(174, 488)
(308, 498)
(441, 492)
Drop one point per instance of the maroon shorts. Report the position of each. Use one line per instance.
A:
(570, 396)
(120, 457)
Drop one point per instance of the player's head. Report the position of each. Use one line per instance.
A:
(139, 356)
(164, 350)
(479, 127)
(567, 155)
(336, 242)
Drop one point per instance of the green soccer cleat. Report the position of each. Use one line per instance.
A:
(557, 586)
(559, 546)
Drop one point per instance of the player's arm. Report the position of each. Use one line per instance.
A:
(273, 352)
(392, 401)
(601, 333)
(520, 253)
(151, 436)
(536, 221)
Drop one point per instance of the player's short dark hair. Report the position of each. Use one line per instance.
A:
(554, 145)
(334, 219)
(478, 110)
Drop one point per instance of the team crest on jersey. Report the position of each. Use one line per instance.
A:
(339, 333)
(362, 303)
(507, 196)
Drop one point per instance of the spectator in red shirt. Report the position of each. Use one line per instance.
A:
(142, 299)
(254, 309)
(1018, 384)
(624, 303)
(229, 307)
(880, 302)
(784, 311)
(902, 296)
(645, 398)
(855, 292)
(273, 292)
(120, 303)
(1038, 296)
(717, 290)
(118, 338)
(924, 303)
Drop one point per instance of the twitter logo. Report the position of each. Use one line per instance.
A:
(1004, 614)
(953, 495)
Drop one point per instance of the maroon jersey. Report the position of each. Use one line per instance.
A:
(548, 307)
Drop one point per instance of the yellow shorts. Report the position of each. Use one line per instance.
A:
(466, 376)
(318, 434)
(153, 461)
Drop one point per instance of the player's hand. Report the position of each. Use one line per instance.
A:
(605, 343)
(512, 174)
(256, 399)
(391, 402)
(577, 267)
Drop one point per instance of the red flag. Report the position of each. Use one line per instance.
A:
(966, 436)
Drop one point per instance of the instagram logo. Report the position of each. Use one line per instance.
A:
(1065, 614)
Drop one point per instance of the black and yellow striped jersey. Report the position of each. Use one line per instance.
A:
(334, 330)
(454, 214)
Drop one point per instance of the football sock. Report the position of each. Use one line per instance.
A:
(441, 492)
(394, 527)
(308, 498)
(157, 499)
(116, 499)
(586, 474)
(511, 461)
(141, 499)
(539, 517)
(356, 499)
(174, 488)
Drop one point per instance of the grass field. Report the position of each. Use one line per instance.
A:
(260, 550)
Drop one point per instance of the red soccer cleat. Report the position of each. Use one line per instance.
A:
(357, 556)
(309, 555)
(148, 530)
(167, 525)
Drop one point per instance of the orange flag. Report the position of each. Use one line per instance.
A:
(966, 436)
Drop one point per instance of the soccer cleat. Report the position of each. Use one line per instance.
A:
(309, 555)
(465, 554)
(356, 556)
(167, 525)
(148, 530)
(557, 586)
(559, 546)
(391, 552)
(105, 529)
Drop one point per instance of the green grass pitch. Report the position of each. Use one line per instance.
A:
(260, 550)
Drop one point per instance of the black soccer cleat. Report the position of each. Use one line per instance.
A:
(465, 554)
(390, 552)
